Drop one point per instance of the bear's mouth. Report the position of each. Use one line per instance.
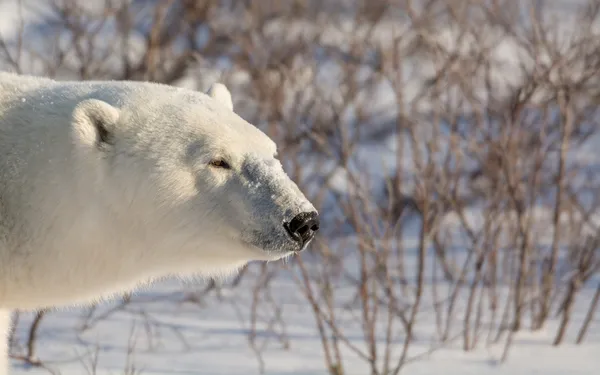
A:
(281, 245)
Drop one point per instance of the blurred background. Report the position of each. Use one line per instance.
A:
(452, 148)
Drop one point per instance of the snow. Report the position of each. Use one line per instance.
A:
(176, 337)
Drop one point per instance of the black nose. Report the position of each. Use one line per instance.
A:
(303, 227)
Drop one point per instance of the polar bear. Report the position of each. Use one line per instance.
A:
(105, 185)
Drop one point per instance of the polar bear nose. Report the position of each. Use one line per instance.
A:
(303, 227)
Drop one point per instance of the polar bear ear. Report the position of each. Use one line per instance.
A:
(220, 93)
(94, 121)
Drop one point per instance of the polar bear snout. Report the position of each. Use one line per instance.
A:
(303, 227)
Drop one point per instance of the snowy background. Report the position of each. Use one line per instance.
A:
(452, 148)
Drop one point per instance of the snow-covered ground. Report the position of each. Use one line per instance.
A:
(170, 336)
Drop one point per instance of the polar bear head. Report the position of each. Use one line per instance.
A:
(180, 170)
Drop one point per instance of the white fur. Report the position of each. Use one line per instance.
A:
(107, 185)
(219, 92)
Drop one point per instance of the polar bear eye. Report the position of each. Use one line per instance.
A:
(220, 163)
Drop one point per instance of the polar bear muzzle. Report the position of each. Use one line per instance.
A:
(303, 227)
